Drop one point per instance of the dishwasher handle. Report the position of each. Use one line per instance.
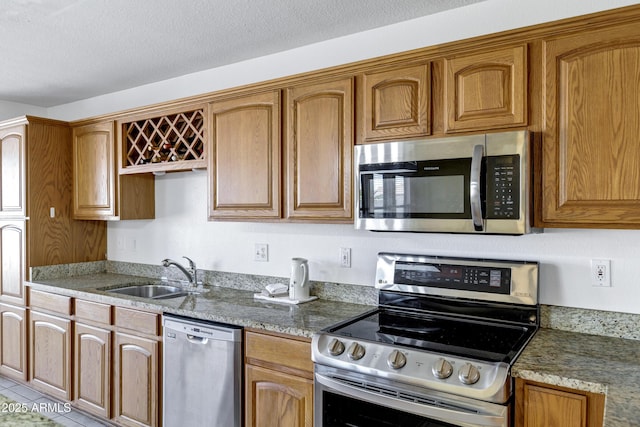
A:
(196, 339)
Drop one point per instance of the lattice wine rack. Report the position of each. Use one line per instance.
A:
(170, 142)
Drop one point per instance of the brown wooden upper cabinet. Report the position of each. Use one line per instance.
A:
(486, 90)
(245, 157)
(396, 103)
(591, 152)
(12, 171)
(257, 171)
(318, 150)
(99, 193)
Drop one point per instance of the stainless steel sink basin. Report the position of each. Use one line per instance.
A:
(154, 291)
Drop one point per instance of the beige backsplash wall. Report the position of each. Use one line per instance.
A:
(181, 228)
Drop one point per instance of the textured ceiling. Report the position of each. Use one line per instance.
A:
(59, 51)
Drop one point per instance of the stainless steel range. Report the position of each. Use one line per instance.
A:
(436, 352)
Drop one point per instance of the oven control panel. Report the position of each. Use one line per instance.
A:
(467, 377)
(513, 282)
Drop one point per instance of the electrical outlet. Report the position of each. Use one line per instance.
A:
(345, 257)
(601, 273)
(261, 252)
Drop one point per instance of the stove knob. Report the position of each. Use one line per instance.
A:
(356, 351)
(442, 369)
(469, 374)
(336, 348)
(396, 360)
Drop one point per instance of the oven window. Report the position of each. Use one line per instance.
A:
(342, 411)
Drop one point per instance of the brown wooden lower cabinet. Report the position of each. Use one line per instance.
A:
(103, 359)
(92, 369)
(50, 340)
(278, 381)
(136, 380)
(542, 405)
(13, 341)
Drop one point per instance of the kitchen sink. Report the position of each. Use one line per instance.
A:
(154, 291)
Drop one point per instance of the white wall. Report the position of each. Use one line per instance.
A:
(180, 227)
(9, 110)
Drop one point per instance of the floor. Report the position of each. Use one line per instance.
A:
(39, 404)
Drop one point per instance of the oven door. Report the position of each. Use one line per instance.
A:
(347, 399)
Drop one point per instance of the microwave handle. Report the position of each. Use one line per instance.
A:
(474, 184)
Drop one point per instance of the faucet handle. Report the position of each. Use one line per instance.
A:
(192, 264)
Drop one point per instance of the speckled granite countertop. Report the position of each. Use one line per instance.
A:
(585, 362)
(220, 304)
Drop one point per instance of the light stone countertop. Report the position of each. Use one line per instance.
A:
(594, 363)
(219, 304)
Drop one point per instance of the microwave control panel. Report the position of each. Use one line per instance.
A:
(503, 187)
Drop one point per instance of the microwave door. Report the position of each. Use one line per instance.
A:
(432, 195)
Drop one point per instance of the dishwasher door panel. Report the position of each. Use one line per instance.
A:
(202, 374)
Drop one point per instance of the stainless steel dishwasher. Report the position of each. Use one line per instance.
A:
(202, 373)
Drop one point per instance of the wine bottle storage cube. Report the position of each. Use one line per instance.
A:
(169, 142)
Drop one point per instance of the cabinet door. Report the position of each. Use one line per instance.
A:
(13, 342)
(538, 405)
(319, 145)
(396, 103)
(136, 380)
(13, 265)
(486, 90)
(591, 155)
(275, 399)
(244, 157)
(545, 407)
(92, 391)
(12, 171)
(94, 180)
(50, 347)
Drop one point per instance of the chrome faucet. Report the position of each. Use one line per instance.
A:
(191, 272)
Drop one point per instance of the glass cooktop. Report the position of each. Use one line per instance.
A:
(476, 339)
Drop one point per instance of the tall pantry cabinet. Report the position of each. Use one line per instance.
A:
(36, 228)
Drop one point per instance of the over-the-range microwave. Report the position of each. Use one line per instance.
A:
(464, 184)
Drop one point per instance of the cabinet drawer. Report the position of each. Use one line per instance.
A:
(93, 311)
(139, 321)
(50, 302)
(291, 352)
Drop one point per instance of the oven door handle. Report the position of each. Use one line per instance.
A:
(474, 188)
(471, 419)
